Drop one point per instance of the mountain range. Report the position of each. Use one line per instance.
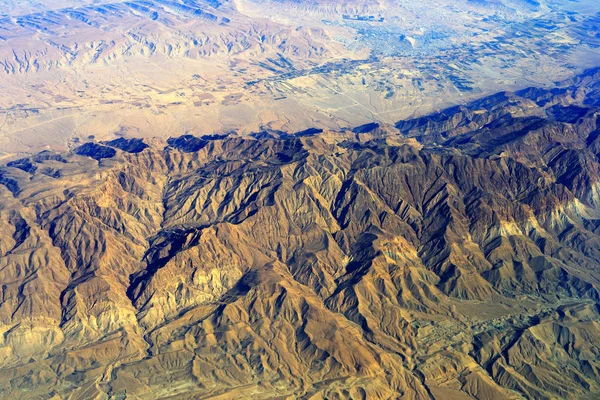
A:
(451, 256)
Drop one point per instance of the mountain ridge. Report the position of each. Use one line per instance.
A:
(451, 256)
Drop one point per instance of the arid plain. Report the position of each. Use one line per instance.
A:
(71, 70)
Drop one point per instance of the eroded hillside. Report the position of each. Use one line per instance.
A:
(453, 256)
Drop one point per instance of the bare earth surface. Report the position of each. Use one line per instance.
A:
(152, 68)
(453, 256)
(257, 199)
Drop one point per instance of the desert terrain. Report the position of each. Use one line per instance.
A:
(451, 256)
(73, 71)
(320, 199)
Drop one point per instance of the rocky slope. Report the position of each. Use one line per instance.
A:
(452, 256)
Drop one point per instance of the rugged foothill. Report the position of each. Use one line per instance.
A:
(451, 256)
